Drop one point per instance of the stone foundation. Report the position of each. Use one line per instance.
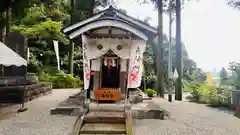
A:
(149, 110)
(73, 106)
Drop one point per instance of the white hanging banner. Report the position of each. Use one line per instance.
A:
(175, 74)
(55, 44)
(28, 54)
(136, 66)
(86, 63)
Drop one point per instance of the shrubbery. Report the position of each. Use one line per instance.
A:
(204, 93)
(61, 80)
(150, 92)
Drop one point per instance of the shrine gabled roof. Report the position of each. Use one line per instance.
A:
(113, 18)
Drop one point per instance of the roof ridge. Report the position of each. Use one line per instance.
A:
(112, 8)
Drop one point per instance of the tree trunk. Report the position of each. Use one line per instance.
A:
(160, 73)
(178, 89)
(70, 57)
(8, 19)
(2, 34)
(71, 47)
(92, 7)
(2, 28)
(170, 41)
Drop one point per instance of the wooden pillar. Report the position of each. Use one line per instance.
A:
(96, 81)
(122, 81)
(123, 74)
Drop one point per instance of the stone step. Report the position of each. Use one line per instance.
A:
(105, 117)
(62, 111)
(91, 128)
(94, 107)
(103, 134)
(68, 111)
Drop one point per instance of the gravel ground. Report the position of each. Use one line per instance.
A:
(37, 120)
(190, 119)
(186, 119)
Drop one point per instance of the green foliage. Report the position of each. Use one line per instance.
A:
(192, 87)
(34, 66)
(58, 78)
(223, 74)
(43, 76)
(149, 61)
(149, 74)
(235, 68)
(204, 93)
(150, 92)
(61, 80)
(199, 75)
(40, 23)
(234, 3)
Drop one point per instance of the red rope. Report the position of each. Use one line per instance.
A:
(109, 68)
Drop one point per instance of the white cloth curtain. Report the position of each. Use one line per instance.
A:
(124, 52)
(107, 44)
(93, 52)
(95, 64)
(123, 64)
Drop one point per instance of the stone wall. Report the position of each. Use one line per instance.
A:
(235, 98)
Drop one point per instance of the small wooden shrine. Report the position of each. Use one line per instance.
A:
(112, 46)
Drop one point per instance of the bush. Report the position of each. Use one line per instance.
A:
(32, 77)
(220, 96)
(150, 92)
(204, 93)
(61, 80)
(43, 76)
(193, 89)
(149, 79)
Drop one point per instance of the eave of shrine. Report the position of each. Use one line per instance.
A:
(111, 18)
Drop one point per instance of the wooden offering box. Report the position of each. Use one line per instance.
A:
(108, 94)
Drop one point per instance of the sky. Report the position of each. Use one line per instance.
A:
(210, 30)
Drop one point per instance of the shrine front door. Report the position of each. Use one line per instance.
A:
(110, 72)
